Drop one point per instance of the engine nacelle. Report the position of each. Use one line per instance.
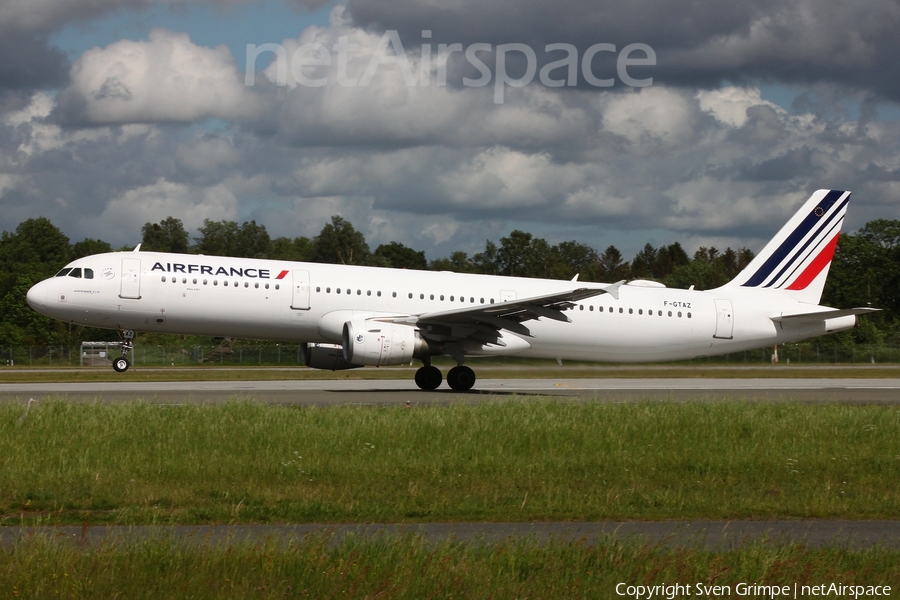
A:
(325, 356)
(375, 343)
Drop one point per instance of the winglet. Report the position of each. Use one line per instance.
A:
(613, 290)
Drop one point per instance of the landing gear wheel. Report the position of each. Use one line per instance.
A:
(121, 364)
(461, 378)
(428, 378)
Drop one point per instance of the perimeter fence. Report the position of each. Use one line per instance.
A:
(249, 354)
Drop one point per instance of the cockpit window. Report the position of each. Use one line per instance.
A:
(64, 272)
(76, 272)
(88, 273)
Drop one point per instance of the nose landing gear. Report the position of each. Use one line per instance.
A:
(121, 364)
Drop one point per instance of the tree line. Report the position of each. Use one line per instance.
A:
(865, 270)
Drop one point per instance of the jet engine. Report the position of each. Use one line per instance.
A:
(375, 343)
(325, 356)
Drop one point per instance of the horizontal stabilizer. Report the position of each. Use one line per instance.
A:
(818, 317)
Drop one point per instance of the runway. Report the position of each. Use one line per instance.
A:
(388, 392)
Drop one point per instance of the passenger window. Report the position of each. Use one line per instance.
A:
(163, 278)
(410, 295)
(256, 286)
(359, 292)
(225, 283)
(278, 287)
(591, 308)
(184, 280)
(215, 282)
(267, 286)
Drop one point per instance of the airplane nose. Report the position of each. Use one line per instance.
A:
(37, 297)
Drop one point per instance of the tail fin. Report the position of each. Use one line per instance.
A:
(798, 257)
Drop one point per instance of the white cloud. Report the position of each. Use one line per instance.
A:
(651, 117)
(126, 214)
(167, 78)
(729, 105)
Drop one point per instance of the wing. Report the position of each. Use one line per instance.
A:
(484, 323)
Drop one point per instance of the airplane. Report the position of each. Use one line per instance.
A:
(352, 316)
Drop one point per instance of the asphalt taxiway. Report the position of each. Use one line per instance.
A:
(387, 392)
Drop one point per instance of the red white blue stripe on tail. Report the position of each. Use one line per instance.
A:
(798, 257)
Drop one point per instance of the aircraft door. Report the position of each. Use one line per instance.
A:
(724, 320)
(300, 299)
(131, 279)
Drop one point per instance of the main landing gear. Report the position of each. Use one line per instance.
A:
(460, 378)
(121, 364)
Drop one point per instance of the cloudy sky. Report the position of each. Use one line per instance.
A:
(443, 124)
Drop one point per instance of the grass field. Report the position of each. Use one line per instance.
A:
(408, 568)
(512, 460)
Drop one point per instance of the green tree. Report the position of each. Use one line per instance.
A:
(88, 247)
(398, 256)
(340, 243)
(487, 262)
(169, 235)
(568, 259)
(644, 263)
(611, 267)
(35, 241)
(297, 249)
(226, 238)
(458, 262)
(523, 255)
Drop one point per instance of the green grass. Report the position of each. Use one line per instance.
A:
(407, 567)
(513, 460)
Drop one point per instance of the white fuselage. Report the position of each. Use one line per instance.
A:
(310, 302)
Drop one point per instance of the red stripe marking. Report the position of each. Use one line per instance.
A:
(282, 274)
(815, 267)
